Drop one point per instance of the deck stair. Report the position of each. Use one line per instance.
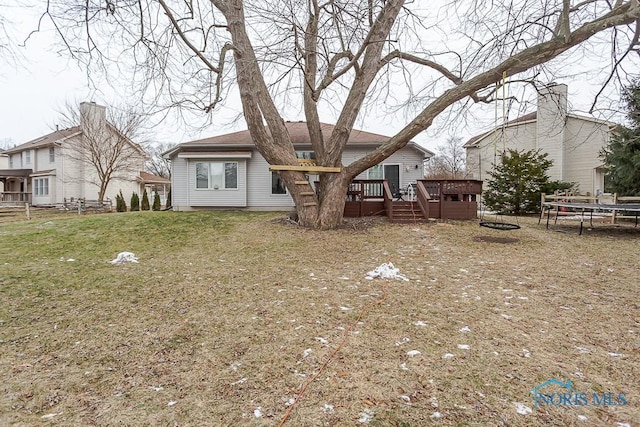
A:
(407, 212)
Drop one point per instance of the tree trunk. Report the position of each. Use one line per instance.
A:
(324, 208)
(333, 195)
(102, 191)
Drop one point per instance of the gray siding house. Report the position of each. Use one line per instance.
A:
(573, 142)
(227, 171)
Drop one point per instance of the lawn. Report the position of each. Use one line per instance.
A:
(228, 315)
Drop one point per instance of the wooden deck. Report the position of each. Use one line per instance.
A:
(438, 199)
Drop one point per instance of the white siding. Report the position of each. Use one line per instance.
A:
(584, 140)
(481, 159)
(179, 184)
(408, 158)
(231, 198)
(254, 181)
(4, 164)
(259, 186)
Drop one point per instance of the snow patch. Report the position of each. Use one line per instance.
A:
(582, 417)
(464, 346)
(327, 408)
(402, 341)
(448, 356)
(306, 353)
(615, 354)
(464, 329)
(420, 323)
(436, 415)
(522, 409)
(322, 340)
(125, 257)
(257, 412)
(49, 416)
(366, 416)
(412, 353)
(386, 271)
(171, 403)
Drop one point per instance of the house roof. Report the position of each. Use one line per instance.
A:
(522, 119)
(43, 141)
(530, 117)
(13, 173)
(149, 178)
(298, 132)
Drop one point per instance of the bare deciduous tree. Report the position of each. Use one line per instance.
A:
(157, 164)
(105, 150)
(449, 161)
(424, 58)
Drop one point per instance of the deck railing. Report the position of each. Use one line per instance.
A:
(423, 198)
(361, 189)
(15, 196)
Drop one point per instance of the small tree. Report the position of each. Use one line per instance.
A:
(156, 202)
(449, 161)
(168, 202)
(135, 202)
(121, 205)
(145, 201)
(516, 183)
(622, 154)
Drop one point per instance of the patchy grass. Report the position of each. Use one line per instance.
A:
(227, 315)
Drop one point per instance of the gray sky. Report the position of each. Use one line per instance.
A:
(37, 87)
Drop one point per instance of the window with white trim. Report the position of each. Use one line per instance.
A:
(308, 155)
(277, 184)
(52, 154)
(41, 186)
(27, 157)
(375, 172)
(216, 175)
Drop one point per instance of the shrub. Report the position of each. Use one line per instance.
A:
(156, 202)
(135, 202)
(516, 183)
(145, 201)
(168, 203)
(121, 205)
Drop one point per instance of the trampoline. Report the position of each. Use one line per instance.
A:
(591, 207)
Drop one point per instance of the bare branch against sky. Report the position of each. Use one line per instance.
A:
(423, 59)
(106, 148)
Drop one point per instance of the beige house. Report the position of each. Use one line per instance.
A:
(227, 171)
(53, 168)
(573, 142)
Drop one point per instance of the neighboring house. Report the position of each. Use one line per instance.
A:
(573, 142)
(4, 164)
(227, 171)
(47, 171)
(155, 184)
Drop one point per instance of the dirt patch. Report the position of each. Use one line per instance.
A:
(493, 239)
